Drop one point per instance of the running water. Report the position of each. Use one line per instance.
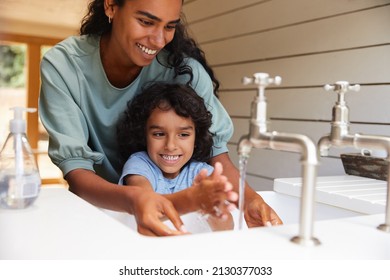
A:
(243, 161)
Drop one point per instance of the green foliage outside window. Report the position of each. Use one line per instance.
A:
(12, 66)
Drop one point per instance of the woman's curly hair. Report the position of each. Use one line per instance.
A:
(95, 22)
(131, 128)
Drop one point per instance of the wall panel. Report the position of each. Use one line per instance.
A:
(356, 66)
(313, 103)
(195, 10)
(266, 15)
(353, 30)
(308, 43)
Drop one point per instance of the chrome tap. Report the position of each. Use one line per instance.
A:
(341, 137)
(259, 137)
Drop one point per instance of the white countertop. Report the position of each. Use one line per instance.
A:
(359, 194)
(60, 225)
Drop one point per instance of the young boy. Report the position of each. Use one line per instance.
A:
(165, 131)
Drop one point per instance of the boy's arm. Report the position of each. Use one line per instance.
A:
(210, 194)
(207, 193)
(137, 180)
(184, 201)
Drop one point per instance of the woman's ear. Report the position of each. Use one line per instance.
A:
(109, 9)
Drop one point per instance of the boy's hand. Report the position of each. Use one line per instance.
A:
(214, 193)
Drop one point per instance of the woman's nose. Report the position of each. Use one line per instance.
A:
(157, 38)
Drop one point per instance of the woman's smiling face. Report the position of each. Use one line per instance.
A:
(142, 28)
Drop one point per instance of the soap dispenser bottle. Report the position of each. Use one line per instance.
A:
(19, 176)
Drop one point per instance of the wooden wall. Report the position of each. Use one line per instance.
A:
(308, 43)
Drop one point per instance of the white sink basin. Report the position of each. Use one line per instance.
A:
(62, 226)
(287, 207)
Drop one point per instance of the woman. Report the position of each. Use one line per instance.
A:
(87, 81)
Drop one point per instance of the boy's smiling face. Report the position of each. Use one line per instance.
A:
(170, 140)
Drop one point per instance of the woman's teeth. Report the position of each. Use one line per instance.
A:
(146, 50)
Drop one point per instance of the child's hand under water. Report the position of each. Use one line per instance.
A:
(214, 193)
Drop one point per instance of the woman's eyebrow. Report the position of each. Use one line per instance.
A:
(153, 17)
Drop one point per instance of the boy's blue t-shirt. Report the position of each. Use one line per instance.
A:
(141, 164)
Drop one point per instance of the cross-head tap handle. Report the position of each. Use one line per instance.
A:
(262, 80)
(341, 87)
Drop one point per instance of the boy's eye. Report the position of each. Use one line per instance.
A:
(158, 134)
(184, 134)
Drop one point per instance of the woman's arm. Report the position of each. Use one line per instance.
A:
(257, 211)
(147, 206)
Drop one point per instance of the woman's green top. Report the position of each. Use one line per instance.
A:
(79, 107)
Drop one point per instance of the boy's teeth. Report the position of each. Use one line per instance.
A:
(166, 157)
(146, 50)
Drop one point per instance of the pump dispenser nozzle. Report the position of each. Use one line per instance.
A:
(18, 124)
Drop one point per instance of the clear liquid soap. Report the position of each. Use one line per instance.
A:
(20, 181)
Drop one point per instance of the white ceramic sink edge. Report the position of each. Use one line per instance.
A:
(286, 206)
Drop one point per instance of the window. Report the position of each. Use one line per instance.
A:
(19, 86)
(12, 82)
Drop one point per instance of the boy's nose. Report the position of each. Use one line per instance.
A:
(170, 144)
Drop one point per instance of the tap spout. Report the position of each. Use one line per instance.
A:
(362, 141)
(297, 143)
(386, 226)
(379, 142)
(288, 142)
(302, 144)
(324, 145)
(244, 146)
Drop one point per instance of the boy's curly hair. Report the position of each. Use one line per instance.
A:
(131, 128)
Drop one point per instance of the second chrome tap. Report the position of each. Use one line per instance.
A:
(341, 137)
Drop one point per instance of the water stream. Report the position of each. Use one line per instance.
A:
(243, 161)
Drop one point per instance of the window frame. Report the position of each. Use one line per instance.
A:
(33, 82)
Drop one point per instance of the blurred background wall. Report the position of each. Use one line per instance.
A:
(308, 43)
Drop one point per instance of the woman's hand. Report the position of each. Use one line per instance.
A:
(258, 213)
